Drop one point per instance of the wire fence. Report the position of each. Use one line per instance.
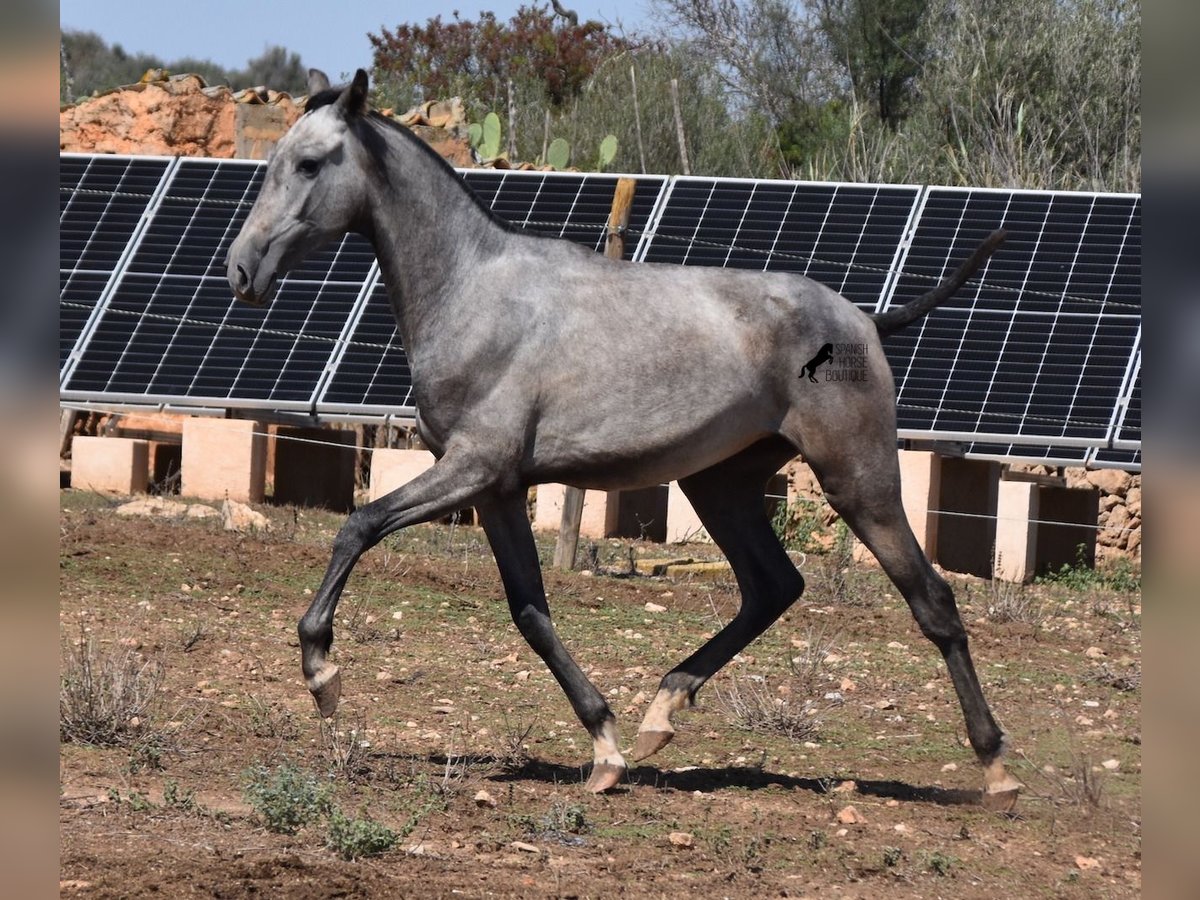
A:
(783, 498)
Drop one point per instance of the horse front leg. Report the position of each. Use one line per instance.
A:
(451, 484)
(506, 524)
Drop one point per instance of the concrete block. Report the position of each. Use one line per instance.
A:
(224, 458)
(1068, 518)
(393, 468)
(110, 464)
(314, 467)
(640, 513)
(966, 532)
(683, 524)
(548, 511)
(1016, 531)
(920, 486)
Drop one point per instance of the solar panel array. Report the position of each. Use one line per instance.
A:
(1038, 358)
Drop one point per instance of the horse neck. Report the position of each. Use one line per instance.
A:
(429, 235)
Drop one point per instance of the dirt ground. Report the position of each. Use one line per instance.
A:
(827, 760)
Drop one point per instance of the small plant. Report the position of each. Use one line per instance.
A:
(751, 705)
(892, 856)
(563, 817)
(1121, 575)
(286, 798)
(485, 137)
(105, 697)
(608, 152)
(345, 748)
(940, 863)
(512, 755)
(840, 569)
(558, 154)
(809, 664)
(355, 838)
(1009, 601)
(174, 798)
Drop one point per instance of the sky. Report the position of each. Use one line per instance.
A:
(328, 36)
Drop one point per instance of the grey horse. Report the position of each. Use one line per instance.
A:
(571, 368)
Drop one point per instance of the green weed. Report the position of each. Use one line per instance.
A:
(286, 798)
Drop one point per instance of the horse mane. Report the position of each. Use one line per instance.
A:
(372, 138)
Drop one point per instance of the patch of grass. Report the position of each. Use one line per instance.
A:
(354, 838)
(286, 798)
(1122, 575)
(106, 696)
(809, 664)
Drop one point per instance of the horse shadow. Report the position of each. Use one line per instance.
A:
(707, 780)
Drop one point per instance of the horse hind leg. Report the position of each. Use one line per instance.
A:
(864, 488)
(507, 527)
(729, 501)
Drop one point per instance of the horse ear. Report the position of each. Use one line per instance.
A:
(353, 101)
(317, 81)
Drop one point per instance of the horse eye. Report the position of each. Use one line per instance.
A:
(308, 166)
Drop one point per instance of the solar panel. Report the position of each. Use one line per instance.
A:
(371, 376)
(846, 236)
(1126, 450)
(171, 331)
(565, 204)
(1034, 359)
(1029, 359)
(102, 202)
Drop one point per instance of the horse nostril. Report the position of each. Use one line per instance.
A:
(243, 280)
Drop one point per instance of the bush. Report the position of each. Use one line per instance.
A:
(352, 838)
(105, 697)
(287, 799)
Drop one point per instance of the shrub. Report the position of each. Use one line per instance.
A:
(353, 838)
(105, 697)
(287, 799)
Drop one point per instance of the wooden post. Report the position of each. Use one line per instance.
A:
(683, 154)
(567, 544)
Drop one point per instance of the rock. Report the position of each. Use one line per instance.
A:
(1111, 764)
(1133, 501)
(1094, 653)
(950, 767)
(682, 839)
(1111, 481)
(483, 798)
(1086, 862)
(524, 847)
(239, 517)
(655, 608)
(846, 787)
(848, 815)
(153, 506)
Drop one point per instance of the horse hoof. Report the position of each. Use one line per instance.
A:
(326, 688)
(604, 776)
(1001, 801)
(650, 742)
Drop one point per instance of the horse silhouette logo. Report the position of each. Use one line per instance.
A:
(823, 356)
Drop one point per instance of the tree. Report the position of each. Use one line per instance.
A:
(89, 65)
(276, 68)
(477, 60)
(882, 45)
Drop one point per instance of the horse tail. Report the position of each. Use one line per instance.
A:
(895, 319)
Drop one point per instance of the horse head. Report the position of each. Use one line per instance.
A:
(313, 191)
